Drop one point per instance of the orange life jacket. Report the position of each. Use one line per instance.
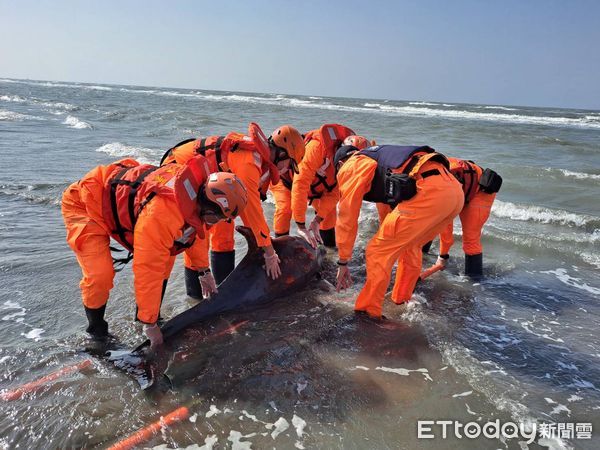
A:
(468, 173)
(330, 137)
(132, 186)
(216, 150)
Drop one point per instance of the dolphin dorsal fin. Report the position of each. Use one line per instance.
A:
(250, 239)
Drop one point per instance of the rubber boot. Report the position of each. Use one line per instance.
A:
(328, 237)
(97, 326)
(426, 247)
(222, 264)
(474, 265)
(192, 284)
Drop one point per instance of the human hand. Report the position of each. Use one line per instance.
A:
(272, 263)
(314, 229)
(153, 333)
(308, 236)
(344, 280)
(208, 284)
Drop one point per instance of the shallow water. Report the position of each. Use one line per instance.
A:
(522, 345)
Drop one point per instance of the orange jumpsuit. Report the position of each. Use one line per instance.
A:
(282, 194)
(158, 226)
(317, 158)
(247, 166)
(403, 231)
(473, 216)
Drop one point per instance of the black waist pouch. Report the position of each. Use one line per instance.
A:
(490, 182)
(399, 187)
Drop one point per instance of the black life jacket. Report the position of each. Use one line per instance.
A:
(392, 157)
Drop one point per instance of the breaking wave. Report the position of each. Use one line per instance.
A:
(531, 213)
(11, 116)
(74, 122)
(581, 122)
(579, 175)
(141, 154)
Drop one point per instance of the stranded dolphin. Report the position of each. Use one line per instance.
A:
(246, 288)
(249, 286)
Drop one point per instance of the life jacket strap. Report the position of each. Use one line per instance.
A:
(120, 263)
(170, 151)
(134, 185)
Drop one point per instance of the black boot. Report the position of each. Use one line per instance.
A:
(474, 265)
(222, 264)
(426, 247)
(97, 326)
(328, 237)
(192, 284)
(287, 233)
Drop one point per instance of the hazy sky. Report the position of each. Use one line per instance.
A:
(525, 52)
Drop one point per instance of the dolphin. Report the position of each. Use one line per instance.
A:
(246, 288)
(248, 285)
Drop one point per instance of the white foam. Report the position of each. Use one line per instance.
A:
(462, 394)
(574, 398)
(562, 275)
(299, 423)
(252, 417)
(209, 443)
(12, 98)
(15, 314)
(11, 116)
(4, 358)
(410, 103)
(213, 410)
(74, 122)
(502, 108)
(539, 214)
(236, 442)
(560, 408)
(34, 334)
(361, 367)
(143, 155)
(9, 304)
(406, 372)
(280, 426)
(19, 99)
(579, 175)
(193, 418)
(581, 122)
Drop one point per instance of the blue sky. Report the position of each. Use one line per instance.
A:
(528, 52)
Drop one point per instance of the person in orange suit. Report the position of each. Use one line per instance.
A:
(155, 213)
(257, 162)
(475, 213)
(290, 142)
(424, 197)
(316, 182)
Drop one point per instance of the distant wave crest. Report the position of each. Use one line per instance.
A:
(11, 116)
(412, 109)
